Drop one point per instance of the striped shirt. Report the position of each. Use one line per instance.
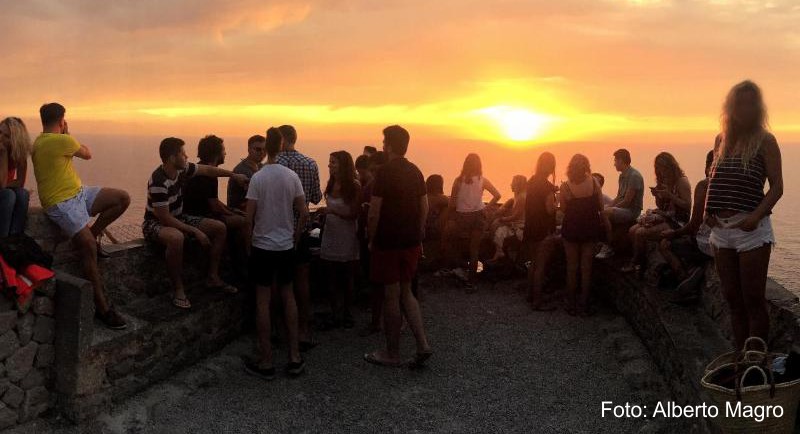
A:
(734, 187)
(163, 191)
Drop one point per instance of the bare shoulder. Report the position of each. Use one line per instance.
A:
(770, 143)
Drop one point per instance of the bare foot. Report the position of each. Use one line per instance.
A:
(382, 358)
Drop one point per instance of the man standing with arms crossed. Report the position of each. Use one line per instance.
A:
(397, 214)
(71, 205)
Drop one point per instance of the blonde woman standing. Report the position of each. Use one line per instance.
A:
(15, 146)
(738, 210)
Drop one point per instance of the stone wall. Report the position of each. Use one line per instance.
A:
(27, 354)
(684, 339)
(59, 357)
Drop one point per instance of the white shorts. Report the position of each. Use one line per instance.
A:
(74, 214)
(725, 236)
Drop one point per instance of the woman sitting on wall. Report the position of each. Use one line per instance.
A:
(673, 194)
(15, 146)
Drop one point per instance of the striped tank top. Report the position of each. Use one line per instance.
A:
(734, 187)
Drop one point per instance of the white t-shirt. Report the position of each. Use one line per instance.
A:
(274, 188)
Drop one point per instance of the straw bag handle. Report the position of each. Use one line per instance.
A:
(747, 371)
(769, 379)
(757, 340)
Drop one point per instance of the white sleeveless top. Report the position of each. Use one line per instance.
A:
(339, 238)
(470, 196)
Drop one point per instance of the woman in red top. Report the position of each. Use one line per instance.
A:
(15, 145)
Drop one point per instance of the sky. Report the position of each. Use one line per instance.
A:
(518, 73)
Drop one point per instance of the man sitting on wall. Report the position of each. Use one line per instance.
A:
(167, 224)
(71, 205)
(256, 152)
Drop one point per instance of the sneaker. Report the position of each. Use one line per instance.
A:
(111, 319)
(101, 252)
(605, 252)
(689, 285)
(254, 368)
(296, 368)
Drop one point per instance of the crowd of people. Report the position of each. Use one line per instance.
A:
(379, 211)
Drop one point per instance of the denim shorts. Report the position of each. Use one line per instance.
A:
(725, 236)
(74, 214)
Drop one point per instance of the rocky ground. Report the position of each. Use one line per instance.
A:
(497, 367)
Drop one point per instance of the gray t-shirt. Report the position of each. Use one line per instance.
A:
(237, 193)
(630, 178)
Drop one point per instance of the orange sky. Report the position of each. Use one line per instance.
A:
(514, 72)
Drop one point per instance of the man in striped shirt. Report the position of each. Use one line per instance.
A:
(306, 168)
(165, 222)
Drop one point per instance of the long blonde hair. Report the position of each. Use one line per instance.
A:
(19, 140)
(734, 138)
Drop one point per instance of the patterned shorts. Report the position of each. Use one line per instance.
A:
(151, 227)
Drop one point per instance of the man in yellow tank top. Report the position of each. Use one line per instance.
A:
(71, 205)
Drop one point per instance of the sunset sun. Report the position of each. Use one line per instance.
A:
(516, 124)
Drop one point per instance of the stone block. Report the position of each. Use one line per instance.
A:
(75, 322)
(8, 418)
(2, 369)
(44, 330)
(43, 306)
(4, 383)
(48, 289)
(13, 396)
(35, 378)
(19, 364)
(45, 356)
(35, 403)
(36, 395)
(8, 319)
(9, 344)
(25, 328)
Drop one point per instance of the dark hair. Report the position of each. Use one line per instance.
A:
(396, 139)
(542, 171)
(434, 184)
(378, 159)
(346, 176)
(709, 161)
(289, 134)
(623, 155)
(472, 167)
(370, 149)
(362, 162)
(169, 147)
(258, 138)
(273, 141)
(670, 163)
(209, 148)
(51, 113)
(600, 178)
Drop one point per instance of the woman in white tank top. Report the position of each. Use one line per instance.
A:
(470, 216)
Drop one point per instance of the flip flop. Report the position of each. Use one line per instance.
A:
(372, 358)
(229, 289)
(181, 303)
(419, 360)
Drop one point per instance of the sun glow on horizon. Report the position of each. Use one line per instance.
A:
(517, 124)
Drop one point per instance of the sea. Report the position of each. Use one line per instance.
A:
(126, 162)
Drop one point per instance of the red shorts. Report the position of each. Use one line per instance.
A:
(394, 266)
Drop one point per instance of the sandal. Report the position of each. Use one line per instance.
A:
(373, 358)
(181, 303)
(419, 360)
(224, 287)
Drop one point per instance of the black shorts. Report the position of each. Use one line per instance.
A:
(268, 266)
(302, 255)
